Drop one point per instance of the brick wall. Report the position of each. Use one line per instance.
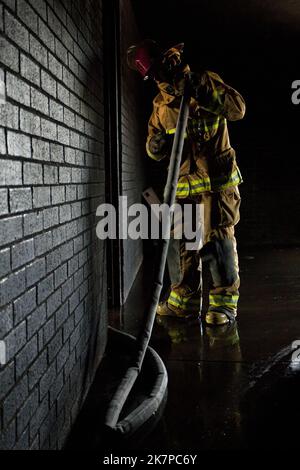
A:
(53, 306)
(133, 141)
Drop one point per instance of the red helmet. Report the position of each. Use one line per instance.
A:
(145, 56)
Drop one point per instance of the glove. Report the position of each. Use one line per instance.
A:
(199, 88)
(172, 58)
(161, 143)
(196, 86)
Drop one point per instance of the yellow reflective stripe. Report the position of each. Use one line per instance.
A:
(178, 303)
(181, 192)
(208, 125)
(183, 189)
(216, 104)
(205, 126)
(172, 131)
(223, 300)
(216, 96)
(234, 180)
(215, 124)
(181, 299)
(184, 303)
(197, 182)
(190, 308)
(199, 185)
(200, 189)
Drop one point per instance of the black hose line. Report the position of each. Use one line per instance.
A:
(154, 395)
(137, 417)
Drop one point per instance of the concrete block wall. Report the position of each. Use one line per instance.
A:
(133, 128)
(52, 267)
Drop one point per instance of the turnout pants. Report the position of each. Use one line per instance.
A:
(221, 214)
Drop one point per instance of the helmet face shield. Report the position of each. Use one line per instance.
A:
(143, 57)
(143, 61)
(151, 62)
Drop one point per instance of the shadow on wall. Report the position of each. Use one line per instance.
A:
(93, 331)
(96, 305)
(133, 135)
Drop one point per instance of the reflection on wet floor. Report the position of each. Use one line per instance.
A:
(230, 387)
(203, 405)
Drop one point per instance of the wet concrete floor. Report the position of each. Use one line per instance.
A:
(231, 387)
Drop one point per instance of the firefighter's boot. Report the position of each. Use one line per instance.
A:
(223, 296)
(164, 309)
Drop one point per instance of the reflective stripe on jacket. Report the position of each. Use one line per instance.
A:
(208, 161)
(193, 185)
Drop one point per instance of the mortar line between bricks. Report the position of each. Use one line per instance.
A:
(9, 364)
(59, 204)
(52, 163)
(41, 209)
(34, 34)
(2, 15)
(47, 163)
(43, 255)
(46, 344)
(81, 18)
(55, 164)
(75, 39)
(44, 139)
(30, 394)
(47, 274)
(56, 141)
(57, 80)
(46, 116)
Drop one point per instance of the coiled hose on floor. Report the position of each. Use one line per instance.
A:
(144, 411)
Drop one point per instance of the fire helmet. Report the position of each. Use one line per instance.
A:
(147, 56)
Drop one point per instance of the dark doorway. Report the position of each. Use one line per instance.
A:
(112, 141)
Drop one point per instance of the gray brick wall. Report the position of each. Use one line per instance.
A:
(133, 141)
(52, 267)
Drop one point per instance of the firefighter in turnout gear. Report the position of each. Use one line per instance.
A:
(209, 175)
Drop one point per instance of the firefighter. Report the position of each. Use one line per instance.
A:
(209, 175)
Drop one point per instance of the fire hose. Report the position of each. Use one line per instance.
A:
(135, 419)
